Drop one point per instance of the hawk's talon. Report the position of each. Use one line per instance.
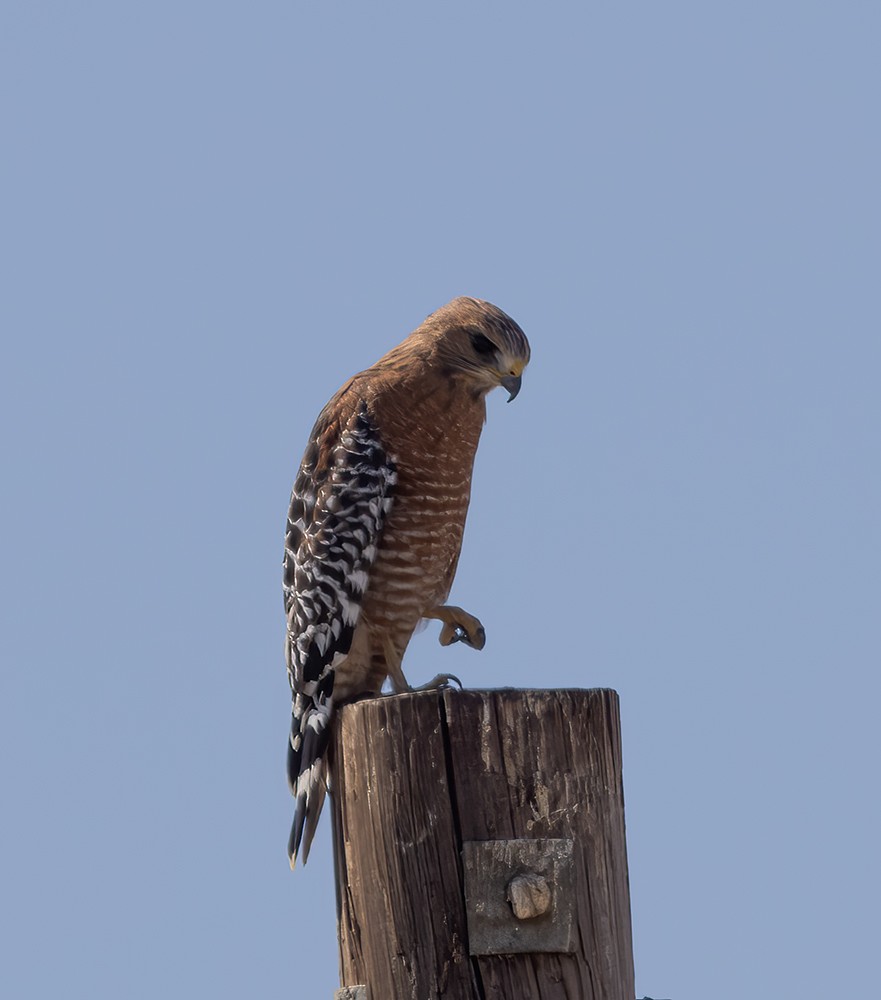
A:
(458, 626)
(450, 634)
(439, 682)
(479, 640)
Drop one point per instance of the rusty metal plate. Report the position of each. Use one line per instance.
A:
(519, 896)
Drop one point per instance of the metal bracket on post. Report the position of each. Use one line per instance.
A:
(351, 993)
(519, 896)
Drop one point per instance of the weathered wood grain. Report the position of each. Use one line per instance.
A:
(401, 913)
(416, 776)
(534, 764)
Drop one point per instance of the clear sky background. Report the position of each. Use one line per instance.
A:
(212, 214)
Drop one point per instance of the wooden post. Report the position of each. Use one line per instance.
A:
(479, 846)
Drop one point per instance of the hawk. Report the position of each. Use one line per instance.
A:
(376, 520)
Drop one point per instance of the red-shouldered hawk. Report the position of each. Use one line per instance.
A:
(376, 520)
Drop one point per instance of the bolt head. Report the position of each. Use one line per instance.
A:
(529, 896)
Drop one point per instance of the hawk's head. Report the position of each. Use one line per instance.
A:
(479, 341)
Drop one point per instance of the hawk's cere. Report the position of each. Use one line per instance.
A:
(376, 520)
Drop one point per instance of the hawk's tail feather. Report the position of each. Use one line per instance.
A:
(305, 822)
(307, 749)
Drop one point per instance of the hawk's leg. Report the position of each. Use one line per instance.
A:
(459, 626)
(393, 667)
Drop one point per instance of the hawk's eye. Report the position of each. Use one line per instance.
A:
(482, 345)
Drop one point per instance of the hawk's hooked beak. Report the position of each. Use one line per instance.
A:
(512, 384)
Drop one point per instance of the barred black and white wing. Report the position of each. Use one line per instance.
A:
(339, 504)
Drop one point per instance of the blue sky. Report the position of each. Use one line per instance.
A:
(212, 214)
